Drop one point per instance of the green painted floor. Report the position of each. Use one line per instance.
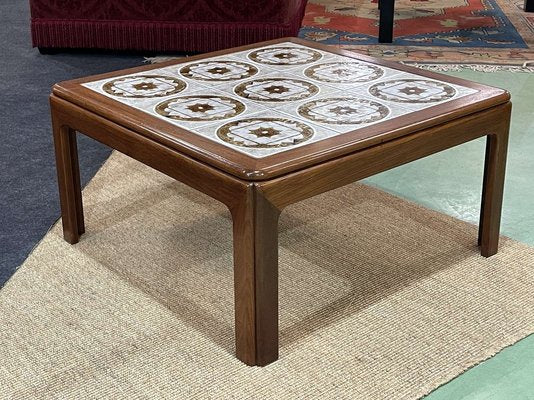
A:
(450, 182)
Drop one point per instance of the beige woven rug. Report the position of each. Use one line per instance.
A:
(380, 299)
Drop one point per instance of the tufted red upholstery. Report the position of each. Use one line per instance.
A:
(177, 25)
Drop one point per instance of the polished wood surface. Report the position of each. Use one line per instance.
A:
(256, 198)
(493, 186)
(68, 176)
(249, 168)
(255, 226)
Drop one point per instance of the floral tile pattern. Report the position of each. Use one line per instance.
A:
(142, 86)
(281, 55)
(343, 110)
(264, 101)
(218, 71)
(346, 72)
(200, 108)
(276, 89)
(265, 132)
(418, 91)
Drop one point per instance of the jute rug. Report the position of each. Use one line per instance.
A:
(379, 299)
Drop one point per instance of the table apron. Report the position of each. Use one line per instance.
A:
(213, 182)
(309, 182)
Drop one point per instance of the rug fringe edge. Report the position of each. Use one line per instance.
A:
(444, 67)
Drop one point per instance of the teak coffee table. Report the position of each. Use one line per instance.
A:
(263, 126)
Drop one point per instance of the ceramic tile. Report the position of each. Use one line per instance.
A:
(342, 112)
(415, 92)
(198, 109)
(285, 58)
(347, 74)
(259, 135)
(275, 89)
(278, 97)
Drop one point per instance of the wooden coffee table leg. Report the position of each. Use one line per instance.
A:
(68, 181)
(492, 193)
(255, 224)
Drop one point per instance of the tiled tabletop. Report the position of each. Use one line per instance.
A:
(275, 98)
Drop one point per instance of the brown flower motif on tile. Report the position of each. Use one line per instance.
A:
(276, 89)
(200, 108)
(412, 90)
(415, 91)
(219, 71)
(343, 110)
(144, 86)
(285, 56)
(344, 72)
(265, 133)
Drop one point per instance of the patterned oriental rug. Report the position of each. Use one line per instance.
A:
(494, 32)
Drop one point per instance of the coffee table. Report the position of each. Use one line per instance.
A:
(264, 126)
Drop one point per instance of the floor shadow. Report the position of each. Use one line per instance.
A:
(175, 244)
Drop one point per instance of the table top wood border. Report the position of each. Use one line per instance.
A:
(257, 169)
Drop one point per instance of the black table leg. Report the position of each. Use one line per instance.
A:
(385, 29)
(529, 5)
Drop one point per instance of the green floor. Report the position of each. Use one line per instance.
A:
(450, 182)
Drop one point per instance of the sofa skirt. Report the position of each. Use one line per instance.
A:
(153, 35)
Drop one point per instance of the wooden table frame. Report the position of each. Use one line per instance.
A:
(256, 200)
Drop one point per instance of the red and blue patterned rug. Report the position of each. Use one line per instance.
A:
(476, 31)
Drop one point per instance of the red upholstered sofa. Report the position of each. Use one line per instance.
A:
(162, 25)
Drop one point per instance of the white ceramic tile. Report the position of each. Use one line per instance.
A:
(415, 92)
(273, 89)
(273, 99)
(201, 108)
(342, 112)
(346, 75)
(259, 134)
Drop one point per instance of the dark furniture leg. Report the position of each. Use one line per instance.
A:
(255, 223)
(492, 192)
(529, 5)
(68, 176)
(385, 28)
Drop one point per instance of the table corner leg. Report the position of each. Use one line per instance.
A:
(255, 227)
(492, 190)
(68, 176)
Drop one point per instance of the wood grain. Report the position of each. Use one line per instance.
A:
(195, 174)
(68, 177)
(255, 223)
(493, 186)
